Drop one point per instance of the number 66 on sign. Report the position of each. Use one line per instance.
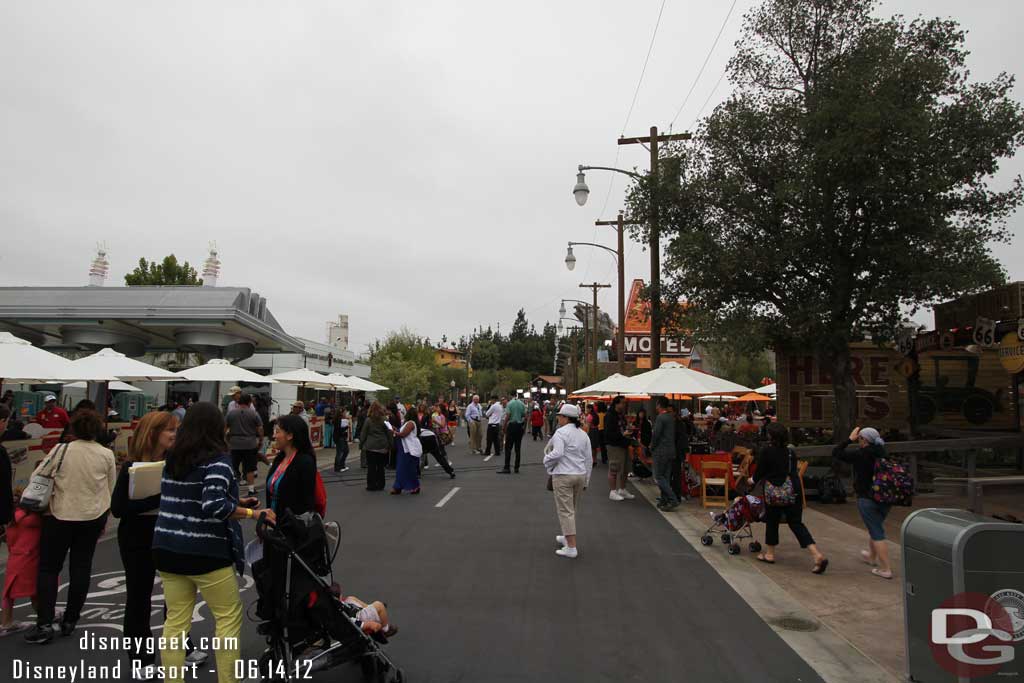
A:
(984, 332)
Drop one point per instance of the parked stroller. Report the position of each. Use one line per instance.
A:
(308, 628)
(734, 524)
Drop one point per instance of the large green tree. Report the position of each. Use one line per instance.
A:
(846, 181)
(404, 362)
(167, 272)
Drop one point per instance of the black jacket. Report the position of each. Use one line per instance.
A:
(6, 493)
(295, 491)
(863, 462)
(775, 463)
(613, 435)
(135, 529)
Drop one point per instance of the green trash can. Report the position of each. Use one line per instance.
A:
(947, 553)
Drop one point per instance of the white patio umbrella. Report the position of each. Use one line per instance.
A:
(22, 362)
(110, 365)
(717, 397)
(220, 370)
(113, 386)
(768, 390)
(674, 378)
(613, 384)
(343, 383)
(303, 377)
(366, 385)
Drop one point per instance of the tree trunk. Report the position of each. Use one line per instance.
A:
(844, 392)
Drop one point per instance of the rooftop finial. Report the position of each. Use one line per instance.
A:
(211, 267)
(100, 266)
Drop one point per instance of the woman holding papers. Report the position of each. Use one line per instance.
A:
(135, 502)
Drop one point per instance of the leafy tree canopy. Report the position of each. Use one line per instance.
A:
(167, 272)
(847, 180)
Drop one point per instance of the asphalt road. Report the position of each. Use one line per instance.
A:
(479, 594)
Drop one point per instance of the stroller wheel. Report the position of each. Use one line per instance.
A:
(734, 549)
(707, 539)
(755, 547)
(726, 539)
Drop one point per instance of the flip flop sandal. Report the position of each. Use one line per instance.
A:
(866, 557)
(820, 567)
(762, 558)
(879, 573)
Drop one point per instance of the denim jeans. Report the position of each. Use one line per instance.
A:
(663, 477)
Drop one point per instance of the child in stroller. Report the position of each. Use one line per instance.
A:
(307, 626)
(734, 524)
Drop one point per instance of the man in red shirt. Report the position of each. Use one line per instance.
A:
(52, 416)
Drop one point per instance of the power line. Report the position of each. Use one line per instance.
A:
(704, 65)
(710, 95)
(650, 48)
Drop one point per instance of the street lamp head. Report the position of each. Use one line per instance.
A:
(561, 313)
(581, 191)
(561, 327)
(570, 261)
(452, 384)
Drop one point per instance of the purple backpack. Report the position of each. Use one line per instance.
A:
(892, 484)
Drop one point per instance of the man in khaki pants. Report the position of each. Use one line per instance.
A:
(474, 416)
(567, 458)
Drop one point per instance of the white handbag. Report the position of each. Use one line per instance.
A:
(36, 496)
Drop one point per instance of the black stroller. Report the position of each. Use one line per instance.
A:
(308, 628)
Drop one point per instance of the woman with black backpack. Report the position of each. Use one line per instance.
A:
(871, 447)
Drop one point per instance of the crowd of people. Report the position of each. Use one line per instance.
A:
(189, 534)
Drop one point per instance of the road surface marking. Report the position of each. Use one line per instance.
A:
(488, 457)
(447, 497)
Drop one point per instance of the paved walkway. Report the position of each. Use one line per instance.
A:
(472, 579)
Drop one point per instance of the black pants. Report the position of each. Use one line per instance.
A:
(604, 447)
(493, 437)
(139, 573)
(340, 452)
(676, 481)
(794, 519)
(58, 538)
(375, 462)
(432, 446)
(514, 437)
(537, 432)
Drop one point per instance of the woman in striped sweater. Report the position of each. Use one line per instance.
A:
(197, 539)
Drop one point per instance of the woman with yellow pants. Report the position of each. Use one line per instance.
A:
(197, 542)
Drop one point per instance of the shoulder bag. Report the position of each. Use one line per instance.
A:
(36, 496)
(784, 495)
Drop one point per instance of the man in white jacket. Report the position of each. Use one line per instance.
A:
(568, 460)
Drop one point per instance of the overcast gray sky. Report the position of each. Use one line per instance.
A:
(402, 162)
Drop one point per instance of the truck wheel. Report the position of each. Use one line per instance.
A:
(977, 409)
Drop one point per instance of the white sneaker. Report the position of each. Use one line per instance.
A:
(614, 495)
(560, 539)
(343, 469)
(626, 495)
(197, 657)
(426, 467)
(571, 553)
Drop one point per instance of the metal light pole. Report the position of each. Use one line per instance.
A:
(581, 192)
(575, 351)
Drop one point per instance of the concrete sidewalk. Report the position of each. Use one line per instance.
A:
(855, 618)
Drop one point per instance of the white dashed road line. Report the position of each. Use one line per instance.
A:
(447, 497)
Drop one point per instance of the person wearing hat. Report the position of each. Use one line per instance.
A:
(52, 416)
(235, 393)
(568, 461)
(299, 408)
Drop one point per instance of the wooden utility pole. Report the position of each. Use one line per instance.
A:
(620, 225)
(654, 245)
(594, 286)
